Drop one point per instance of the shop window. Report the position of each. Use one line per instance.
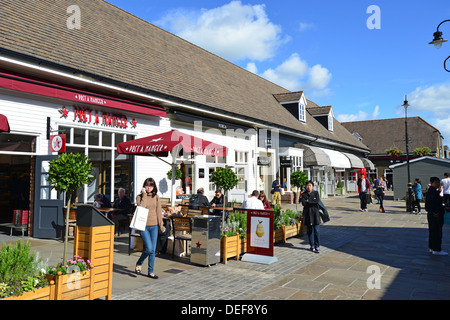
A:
(210, 159)
(241, 157)
(17, 143)
(94, 138)
(106, 139)
(79, 136)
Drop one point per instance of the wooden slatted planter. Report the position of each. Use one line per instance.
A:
(96, 245)
(72, 286)
(230, 247)
(47, 293)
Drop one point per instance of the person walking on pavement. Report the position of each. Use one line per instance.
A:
(417, 190)
(276, 187)
(363, 189)
(311, 216)
(445, 185)
(435, 217)
(150, 200)
(381, 188)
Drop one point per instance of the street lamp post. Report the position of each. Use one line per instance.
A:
(438, 41)
(406, 105)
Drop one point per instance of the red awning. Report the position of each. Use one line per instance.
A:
(160, 145)
(45, 88)
(4, 125)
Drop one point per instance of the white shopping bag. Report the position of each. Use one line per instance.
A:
(139, 220)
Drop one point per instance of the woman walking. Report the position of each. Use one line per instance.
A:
(150, 200)
(417, 189)
(381, 188)
(311, 216)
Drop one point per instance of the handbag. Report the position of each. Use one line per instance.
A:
(378, 192)
(139, 220)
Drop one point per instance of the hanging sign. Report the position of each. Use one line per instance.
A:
(57, 143)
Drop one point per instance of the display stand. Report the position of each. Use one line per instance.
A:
(260, 237)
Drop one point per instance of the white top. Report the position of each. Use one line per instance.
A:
(252, 203)
(446, 185)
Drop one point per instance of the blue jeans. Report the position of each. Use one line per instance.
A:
(149, 237)
(313, 235)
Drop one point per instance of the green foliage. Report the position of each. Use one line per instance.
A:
(178, 175)
(236, 223)
(299, 178)
(395, 152)
(20, 270)
(339, 184)
(425, 151)
(70, 172)
(286, 218)
(224, 178)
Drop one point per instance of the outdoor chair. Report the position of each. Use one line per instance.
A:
(204, 210)
(182, 230)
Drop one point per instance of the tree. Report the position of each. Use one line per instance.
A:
(226, 179)
(66, 174)
(178, 176)
(298, 179)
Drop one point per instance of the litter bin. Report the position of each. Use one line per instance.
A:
(205, 243)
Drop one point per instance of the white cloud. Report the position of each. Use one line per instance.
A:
(303, 26)
(434, 102)
(360, 116)
(233, 31)
(251, 66)
(295, 74)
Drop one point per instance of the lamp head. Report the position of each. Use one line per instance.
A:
(437, 41)
(405, 103)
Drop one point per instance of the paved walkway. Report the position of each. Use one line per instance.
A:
(392, 243)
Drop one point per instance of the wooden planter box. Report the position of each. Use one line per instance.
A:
(278, 235)
(73, 286)
(97, 244)
(47, 293)
(232, 247)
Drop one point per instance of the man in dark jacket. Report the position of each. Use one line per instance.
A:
(435, 208)
(311, 216)
(124, 204)
(363, 189)
(199, 200)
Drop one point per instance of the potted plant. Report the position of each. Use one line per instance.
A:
(67, 173)
(178, 174)
(72, 278)
(226, 179)
(22, 274)
(340, 190)
(233, 236)
(298, 179)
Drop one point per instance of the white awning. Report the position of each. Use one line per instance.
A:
(368, 164)
(355, 162)
(337, 159)
(314, 156)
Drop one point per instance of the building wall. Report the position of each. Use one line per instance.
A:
(423, 169)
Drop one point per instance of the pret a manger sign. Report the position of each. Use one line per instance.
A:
(89, 116)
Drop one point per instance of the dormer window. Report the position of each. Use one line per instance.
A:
(301, 112)
(294, 102)
(330, 122)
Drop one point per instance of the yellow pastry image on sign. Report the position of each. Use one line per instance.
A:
(259, 229)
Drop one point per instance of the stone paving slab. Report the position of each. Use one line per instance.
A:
(395, 242)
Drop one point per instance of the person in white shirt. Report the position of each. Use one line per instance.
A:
(253, 202)
(445, 185)
(261, 183)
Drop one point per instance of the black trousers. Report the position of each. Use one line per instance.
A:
(435, 224)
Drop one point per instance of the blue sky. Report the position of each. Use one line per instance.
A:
(326, 49)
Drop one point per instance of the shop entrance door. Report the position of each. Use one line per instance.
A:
(48, 221)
